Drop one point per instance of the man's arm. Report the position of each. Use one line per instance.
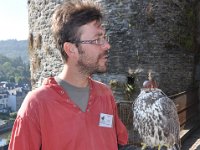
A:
(25, 135)
(26, 129)
(121, 131)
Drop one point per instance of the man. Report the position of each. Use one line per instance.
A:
(72, 111)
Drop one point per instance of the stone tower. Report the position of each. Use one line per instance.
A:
(146, 36)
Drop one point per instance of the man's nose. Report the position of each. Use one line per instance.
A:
(106, 46)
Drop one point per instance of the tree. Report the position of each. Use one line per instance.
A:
(14, 70)
(13, 115)
(12, 79)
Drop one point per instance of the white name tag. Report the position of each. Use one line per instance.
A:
(105, 120)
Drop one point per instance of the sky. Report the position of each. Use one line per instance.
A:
(13, 19)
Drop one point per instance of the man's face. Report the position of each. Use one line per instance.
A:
(93, 57)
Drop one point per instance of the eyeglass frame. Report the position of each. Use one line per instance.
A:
(104, 39)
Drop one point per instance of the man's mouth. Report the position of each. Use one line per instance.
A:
(106, 55)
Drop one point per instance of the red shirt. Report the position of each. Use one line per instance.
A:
(50, 120)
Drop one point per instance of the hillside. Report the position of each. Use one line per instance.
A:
(14, 48)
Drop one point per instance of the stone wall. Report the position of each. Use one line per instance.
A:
(197, 60)
(44, 57)
(146, 36)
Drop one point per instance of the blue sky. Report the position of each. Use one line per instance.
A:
(14, 19)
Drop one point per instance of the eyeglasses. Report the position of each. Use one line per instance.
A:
(99, 41)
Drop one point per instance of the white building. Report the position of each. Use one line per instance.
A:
(3, 102)
(11, 98)
(16, 98)
(12, 103)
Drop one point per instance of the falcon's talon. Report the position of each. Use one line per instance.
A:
(166, 145)
(144, 145)
(159, 147)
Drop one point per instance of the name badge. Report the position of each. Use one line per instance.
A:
(105, 120)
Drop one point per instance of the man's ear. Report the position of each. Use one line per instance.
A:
(68, 48)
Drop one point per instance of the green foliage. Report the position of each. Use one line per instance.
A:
(13, 115)
(3, 59)
(186, 35)
(8, 138)
(114, 84)
(14, 70)
(127, 88)
(12, 79)
(4, 116)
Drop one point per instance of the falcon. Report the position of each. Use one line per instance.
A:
(155, 118)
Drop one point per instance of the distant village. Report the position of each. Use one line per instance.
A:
(12, 96)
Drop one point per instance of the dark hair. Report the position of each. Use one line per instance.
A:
(69, 17)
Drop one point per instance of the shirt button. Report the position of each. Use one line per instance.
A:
(62, 92)
(88, 110)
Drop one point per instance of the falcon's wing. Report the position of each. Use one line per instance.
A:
(169, 117)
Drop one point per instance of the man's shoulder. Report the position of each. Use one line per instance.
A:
(35, 98)
(43, 90)
(100, 86)
(39, 90)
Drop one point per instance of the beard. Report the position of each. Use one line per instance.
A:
(90, 65)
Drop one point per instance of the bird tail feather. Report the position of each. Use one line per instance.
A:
(176, 147)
